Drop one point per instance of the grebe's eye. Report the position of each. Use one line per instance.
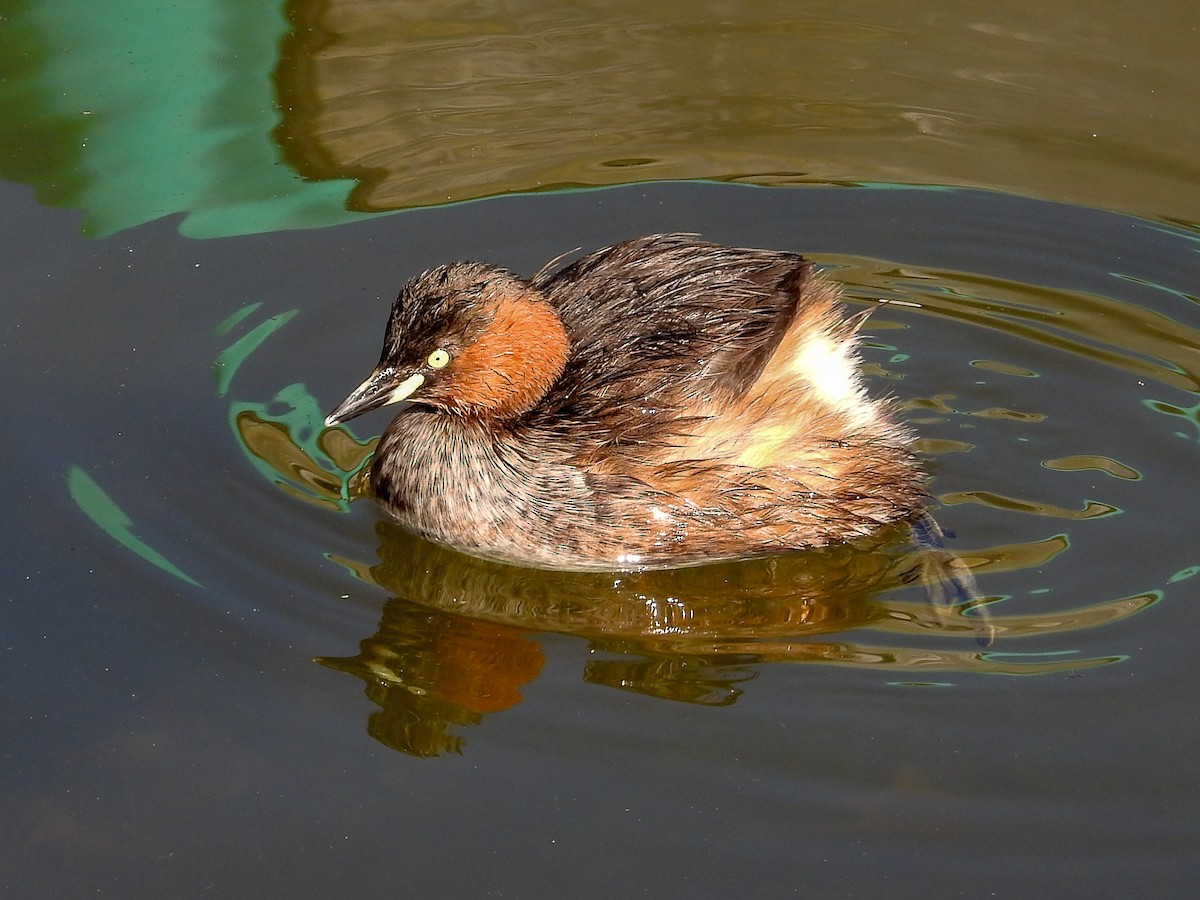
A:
(438, 359)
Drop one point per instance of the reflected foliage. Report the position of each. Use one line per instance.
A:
(424, 103)
(391, 104)
(131, 110)
(318, 466)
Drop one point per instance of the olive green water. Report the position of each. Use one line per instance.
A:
(132, 109)
(224, 677)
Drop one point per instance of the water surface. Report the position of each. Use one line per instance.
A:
(224, 677)
(165, 732)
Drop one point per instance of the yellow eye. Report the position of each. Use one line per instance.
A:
(438, 359)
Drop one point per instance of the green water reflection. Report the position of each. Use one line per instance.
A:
(97, 505)
(254, 117)
(131, 110)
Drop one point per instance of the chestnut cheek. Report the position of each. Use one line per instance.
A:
(512, 364)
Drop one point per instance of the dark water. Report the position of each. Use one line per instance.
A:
(222, 677)
(179, 554)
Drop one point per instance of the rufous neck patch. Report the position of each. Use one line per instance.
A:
(511, 366)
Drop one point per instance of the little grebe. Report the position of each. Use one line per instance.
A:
(664, 401)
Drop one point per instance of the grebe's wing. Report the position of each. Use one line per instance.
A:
(671, 320)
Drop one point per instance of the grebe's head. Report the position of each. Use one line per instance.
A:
(468, 339)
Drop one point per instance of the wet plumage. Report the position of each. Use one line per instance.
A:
(664, 401)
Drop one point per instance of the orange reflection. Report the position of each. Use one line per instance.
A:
(428, 670)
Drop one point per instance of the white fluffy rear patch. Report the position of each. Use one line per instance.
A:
(831, 369)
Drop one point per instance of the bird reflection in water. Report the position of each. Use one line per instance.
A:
(459, 638)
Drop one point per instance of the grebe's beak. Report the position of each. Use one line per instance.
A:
(382, 388)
